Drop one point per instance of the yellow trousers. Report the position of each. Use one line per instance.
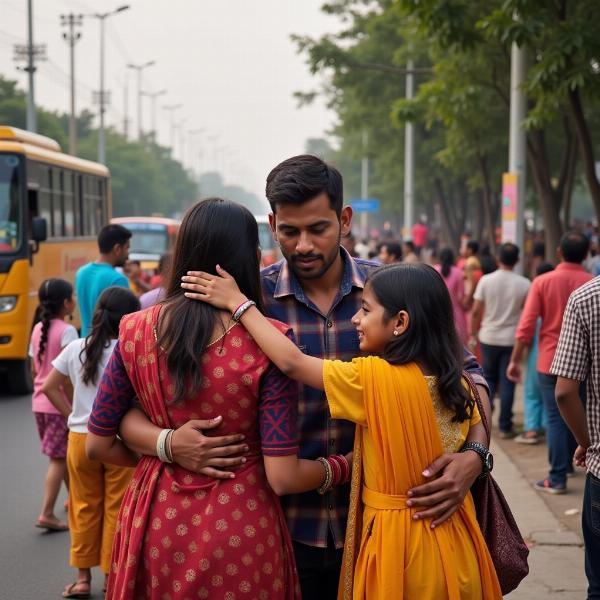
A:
(96, 490)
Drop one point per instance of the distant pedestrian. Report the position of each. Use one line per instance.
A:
(390, 253)
(419, 232)
(454, 282)
(577, 359)
(137, 281)
(533, 401)
(409, 254)
(49, 336)
(499, 299)
(159, 291)
(92, 279)
(96, 488)
(547, 299)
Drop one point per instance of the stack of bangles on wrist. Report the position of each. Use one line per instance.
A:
(236, 315)
(164, 449)
(337, 471)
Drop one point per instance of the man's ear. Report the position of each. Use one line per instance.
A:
(273, 225)
(346, 221)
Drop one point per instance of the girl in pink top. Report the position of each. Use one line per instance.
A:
(453, 277)
(49, 336)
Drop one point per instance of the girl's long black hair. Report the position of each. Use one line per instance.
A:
(113, 304)
(446, 261)
(213, 231)
(52, 295)
(431, 337)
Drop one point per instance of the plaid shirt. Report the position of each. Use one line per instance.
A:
(311, 516)
(578, 357)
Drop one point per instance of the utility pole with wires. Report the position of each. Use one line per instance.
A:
(153, 96)
(30, 53)
(71, 36)
(139, 68)
(171, 108)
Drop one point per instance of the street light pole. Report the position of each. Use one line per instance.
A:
(409, 158)
(102, 95)
(153, 96)
(72, 37)
(171, 108)
(31, 116)
(139, 68)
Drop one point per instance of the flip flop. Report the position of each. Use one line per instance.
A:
(60, 526)
(71, 593)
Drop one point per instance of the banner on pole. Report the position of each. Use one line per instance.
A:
(510, 203)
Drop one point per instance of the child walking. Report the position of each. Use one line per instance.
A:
(410, 405)
(48, 337)
(96, 488)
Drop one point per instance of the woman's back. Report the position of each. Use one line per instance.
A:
(189, 532)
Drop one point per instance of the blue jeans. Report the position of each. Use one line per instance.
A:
(495, 361)
(561, 443)
(591, 535)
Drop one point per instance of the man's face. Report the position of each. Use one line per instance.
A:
(309, 235)
(384, 256)
(121, 252)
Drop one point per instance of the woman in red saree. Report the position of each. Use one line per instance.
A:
(182, 535)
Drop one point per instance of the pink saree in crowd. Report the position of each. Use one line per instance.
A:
(181, 535)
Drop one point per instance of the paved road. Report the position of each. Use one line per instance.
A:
(33, 563)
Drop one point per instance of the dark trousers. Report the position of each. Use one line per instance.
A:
(561, 443)
(591, 535)
(319, 570)
(495, 361)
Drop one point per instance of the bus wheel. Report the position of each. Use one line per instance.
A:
(19, 377)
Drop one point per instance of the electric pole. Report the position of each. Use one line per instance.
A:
(153, 96)
(139, 68)
(171, 108)
(71, 36)
(29, 53)
(409, 158)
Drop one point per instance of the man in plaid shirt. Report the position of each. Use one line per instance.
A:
(577, 359)
(316, 290)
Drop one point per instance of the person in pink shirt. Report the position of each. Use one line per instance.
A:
(453, 277)
(49, 336)
(547, 299)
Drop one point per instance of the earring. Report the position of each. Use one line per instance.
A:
(396, 332)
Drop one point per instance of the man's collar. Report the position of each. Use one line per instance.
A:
(288, 284)
(569, 266)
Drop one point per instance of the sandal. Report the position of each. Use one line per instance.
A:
(71, 592)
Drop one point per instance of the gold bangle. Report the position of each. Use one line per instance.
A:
(326, 485)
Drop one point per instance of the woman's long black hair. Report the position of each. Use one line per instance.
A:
(113, 304)
(431, 337)
(52, 295)
(446, 261)
(213, 232)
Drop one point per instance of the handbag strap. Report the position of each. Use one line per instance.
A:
(479, 402)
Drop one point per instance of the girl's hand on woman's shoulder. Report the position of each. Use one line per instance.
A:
(221, 291)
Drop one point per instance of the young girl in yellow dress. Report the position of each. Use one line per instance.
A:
(410, 405)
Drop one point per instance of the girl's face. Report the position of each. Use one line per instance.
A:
(70, 305)
(374, 332)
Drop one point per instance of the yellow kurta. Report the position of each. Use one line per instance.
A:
(400, 431)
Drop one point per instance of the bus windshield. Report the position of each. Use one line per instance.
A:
(148, 238)
(10, 207)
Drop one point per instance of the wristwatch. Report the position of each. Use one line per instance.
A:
(487, 458)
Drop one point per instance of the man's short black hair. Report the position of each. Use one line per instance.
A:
(473, 245)
(509, 254)
(574, 246)
(110, 235)
(394, 249)
(302, 178)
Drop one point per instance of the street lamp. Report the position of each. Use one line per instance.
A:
(171, 108)
(139, 68)
(102, 95)
(153, 96)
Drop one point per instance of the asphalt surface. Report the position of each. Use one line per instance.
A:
(34, 564)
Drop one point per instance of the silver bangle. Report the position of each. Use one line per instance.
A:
(237, 315)
(161, 446)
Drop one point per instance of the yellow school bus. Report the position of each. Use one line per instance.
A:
(52, 206)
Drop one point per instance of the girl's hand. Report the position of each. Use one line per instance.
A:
(221, 291)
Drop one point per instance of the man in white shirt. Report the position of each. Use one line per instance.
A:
(499, 299)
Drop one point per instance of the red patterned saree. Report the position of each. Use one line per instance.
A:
(181, 535)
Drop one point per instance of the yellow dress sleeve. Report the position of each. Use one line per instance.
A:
(466, 425)
(344, 390)
(475, 417)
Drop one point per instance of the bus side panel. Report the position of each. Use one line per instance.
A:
(15, 323)
(59, 258)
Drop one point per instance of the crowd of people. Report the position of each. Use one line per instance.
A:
(303, 430)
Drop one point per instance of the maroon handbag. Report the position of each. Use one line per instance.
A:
(504, 540)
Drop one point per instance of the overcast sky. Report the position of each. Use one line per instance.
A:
(230, 63)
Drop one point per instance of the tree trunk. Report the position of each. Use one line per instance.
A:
(487, 201)
(549, 203)
(449, 221)
(585, 148)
